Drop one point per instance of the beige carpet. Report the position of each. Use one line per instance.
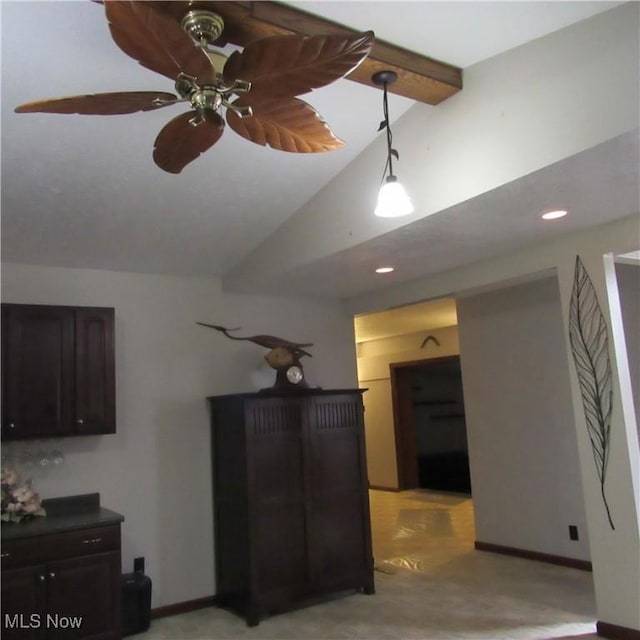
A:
(430, 584)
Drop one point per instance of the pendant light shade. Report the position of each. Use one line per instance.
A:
(393, 200)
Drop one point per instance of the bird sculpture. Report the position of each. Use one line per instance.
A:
(284, 356)
(269, 342)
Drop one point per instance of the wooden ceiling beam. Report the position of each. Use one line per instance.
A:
(419, 78)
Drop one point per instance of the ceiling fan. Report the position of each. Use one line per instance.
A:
(256, 86)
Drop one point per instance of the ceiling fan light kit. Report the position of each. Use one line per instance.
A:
(393, 199)
(257, 87)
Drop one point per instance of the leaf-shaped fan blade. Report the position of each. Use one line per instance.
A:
(287, 124)
(292, 65)
(155, 39)
(100, 104)
(181, 142)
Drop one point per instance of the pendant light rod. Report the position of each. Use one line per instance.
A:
(384, 79)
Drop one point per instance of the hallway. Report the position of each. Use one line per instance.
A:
(430, 585)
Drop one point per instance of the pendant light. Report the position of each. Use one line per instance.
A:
(393, 200)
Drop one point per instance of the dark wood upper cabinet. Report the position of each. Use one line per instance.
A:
(58, 371)
(95, 371)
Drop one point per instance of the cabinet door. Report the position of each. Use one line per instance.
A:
(37, 371)
(339, 525)
(23, 597)
(95, 371)
(276, 499)
(83, 598)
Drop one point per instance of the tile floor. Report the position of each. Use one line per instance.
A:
(430, 585)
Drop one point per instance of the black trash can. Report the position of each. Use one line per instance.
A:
(136, 603)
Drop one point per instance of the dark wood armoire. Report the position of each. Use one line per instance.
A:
(291, 504)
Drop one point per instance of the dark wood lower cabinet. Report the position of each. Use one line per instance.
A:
(62, 586)
(85, 589)
(291, 502)
(23, 604)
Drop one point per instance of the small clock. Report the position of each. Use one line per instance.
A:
(294, 374)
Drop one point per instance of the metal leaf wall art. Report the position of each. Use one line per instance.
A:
(589, 339)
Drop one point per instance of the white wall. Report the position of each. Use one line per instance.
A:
(615, 538)
(522, 448)
(374, 358)
(628, 277)
(156, 470)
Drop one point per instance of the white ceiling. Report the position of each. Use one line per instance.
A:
(83, 191)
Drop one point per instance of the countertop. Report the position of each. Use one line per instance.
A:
(63, 514)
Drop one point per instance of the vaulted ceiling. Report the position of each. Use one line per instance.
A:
(83, 191)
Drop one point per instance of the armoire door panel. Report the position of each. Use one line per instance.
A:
(333, 413)
(281, 546)
(338, 537)
(335, 464)
(274, 447)
(269, 417)
(277, 468)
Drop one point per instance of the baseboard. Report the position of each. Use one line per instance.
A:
(377, 488)
(607, 630)
(573, 563)
(183, 607)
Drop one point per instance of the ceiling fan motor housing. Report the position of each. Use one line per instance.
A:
(206, 98)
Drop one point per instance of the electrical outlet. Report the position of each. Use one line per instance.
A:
(138, 565)
(573, 532)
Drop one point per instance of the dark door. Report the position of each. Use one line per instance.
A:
(23, 608)
(431, 439)
(82, 593)
(37, 371)
(95, 367)
(406, 446)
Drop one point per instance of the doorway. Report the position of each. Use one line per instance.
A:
(430, 427)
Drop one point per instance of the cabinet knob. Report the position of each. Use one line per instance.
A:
(12, 425)
(80, 421)
(52, 574)
(5, 555)
(41, 577)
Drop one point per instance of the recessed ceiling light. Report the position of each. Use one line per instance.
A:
(554, 215)
(384, 269)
